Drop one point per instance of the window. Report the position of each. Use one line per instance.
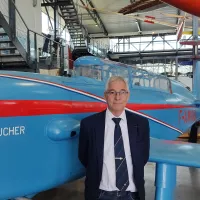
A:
(171, 37)
(146, 79)
(135, 39)
(146, 39)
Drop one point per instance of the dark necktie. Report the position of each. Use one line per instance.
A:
(122, 181)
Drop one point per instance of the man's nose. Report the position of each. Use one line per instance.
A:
(117, 95)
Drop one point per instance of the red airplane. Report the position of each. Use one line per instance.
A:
(189, 6)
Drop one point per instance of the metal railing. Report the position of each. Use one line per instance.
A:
(48, 53)
(41, 51)
(98, 48)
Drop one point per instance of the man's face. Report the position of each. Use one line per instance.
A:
(116, 101)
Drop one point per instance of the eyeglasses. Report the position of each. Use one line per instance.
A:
(114, 93)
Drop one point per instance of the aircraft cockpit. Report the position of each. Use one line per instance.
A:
(101, 70)
(100, 73)
(141, 77)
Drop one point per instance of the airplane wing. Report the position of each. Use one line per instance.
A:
(167, 155)
(175, 152)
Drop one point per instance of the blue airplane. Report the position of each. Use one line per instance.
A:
(40, 117)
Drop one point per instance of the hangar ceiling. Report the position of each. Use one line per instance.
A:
(165, 18)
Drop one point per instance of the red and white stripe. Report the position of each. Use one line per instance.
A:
(82, 106)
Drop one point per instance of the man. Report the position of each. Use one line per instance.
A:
(114, 148)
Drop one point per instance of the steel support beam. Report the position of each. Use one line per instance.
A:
(53, 6)
(98, 17)
(95, 16)
(55, 18)
(153, 38)
(134, 34)
(59, 3)
(196, 65)
(178, 13)
(176, 69)
(48, 16)
(12, 17)
(139, 6)
(185, 54)
(139, 26)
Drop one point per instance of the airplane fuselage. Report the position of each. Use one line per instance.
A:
(39, 125)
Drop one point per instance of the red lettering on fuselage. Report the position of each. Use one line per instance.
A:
(187, 116)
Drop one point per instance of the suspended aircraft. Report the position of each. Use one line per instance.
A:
(40, 117)
(138, 12)
(193, 7)
(181, 4)
(143, 5)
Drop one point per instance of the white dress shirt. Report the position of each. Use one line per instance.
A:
(108, 181)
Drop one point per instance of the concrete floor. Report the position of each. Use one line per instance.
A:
(188, 186)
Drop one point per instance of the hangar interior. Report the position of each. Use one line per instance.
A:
(47, 36)
(146, 38)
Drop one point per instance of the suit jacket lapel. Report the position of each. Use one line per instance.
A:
(132, 132)
(100, 129)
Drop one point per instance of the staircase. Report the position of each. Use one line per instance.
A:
(78, 33)
(9, 55)
(22, 49)
(13, 53)
(75, 28)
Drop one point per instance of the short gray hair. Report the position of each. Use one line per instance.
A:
(116, 78)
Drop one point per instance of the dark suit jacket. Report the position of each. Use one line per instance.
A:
(91, 148)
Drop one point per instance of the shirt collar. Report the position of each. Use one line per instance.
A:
(110, 115)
